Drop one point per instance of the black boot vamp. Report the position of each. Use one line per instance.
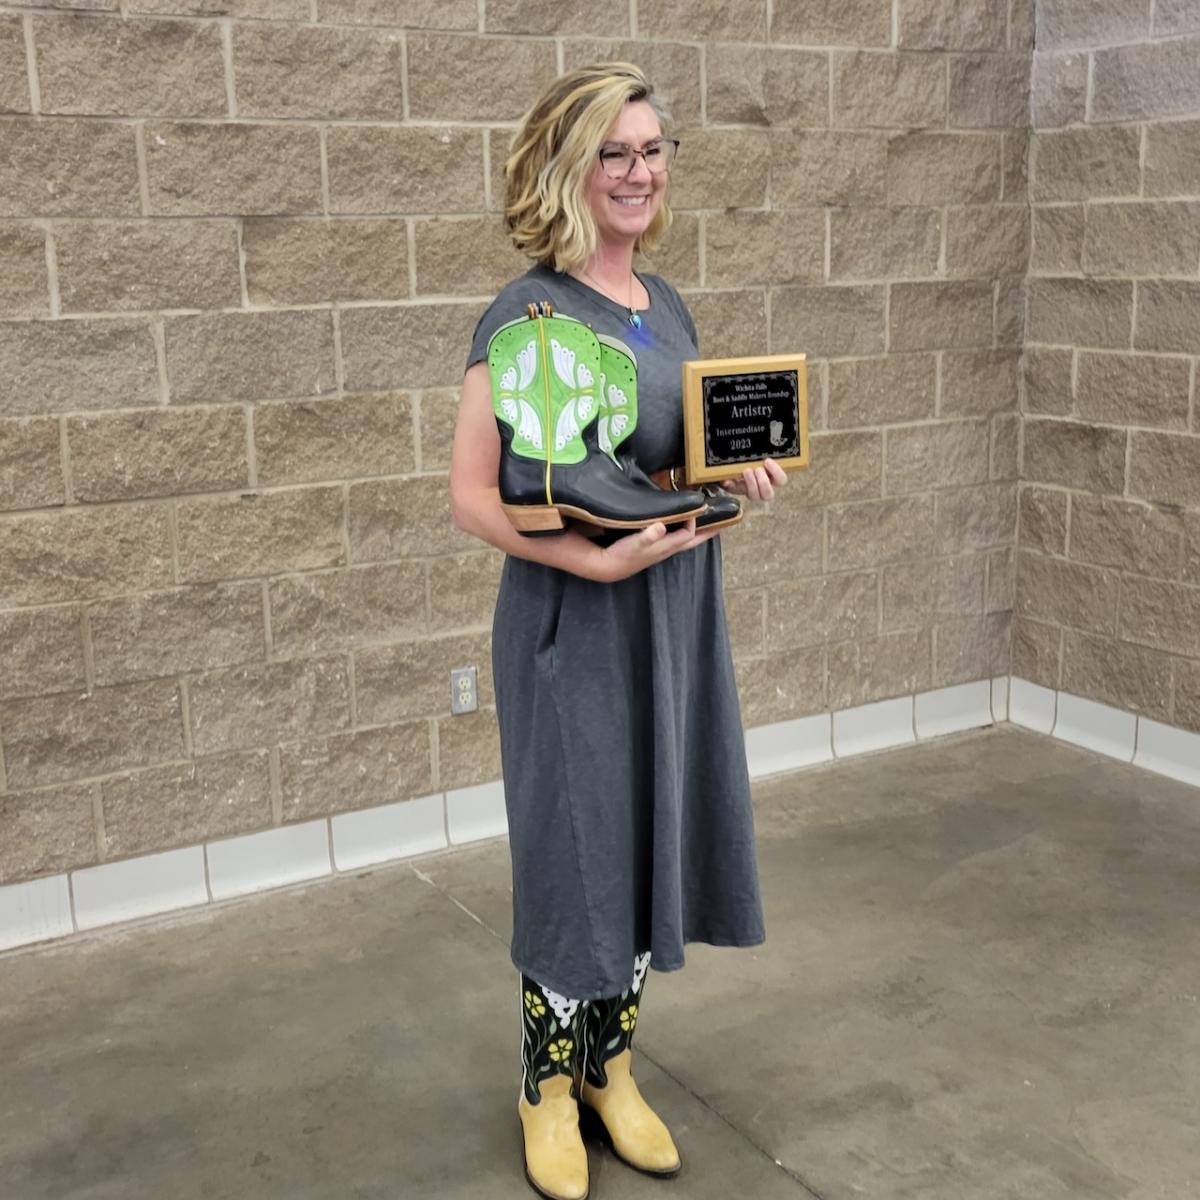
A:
(602, 488)
(721, 506)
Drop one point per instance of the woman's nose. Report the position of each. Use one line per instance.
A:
(639, 172)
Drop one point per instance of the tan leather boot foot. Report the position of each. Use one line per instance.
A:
(638, 1135)
(556, 1162)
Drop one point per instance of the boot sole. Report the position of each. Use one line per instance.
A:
(589, 530)
(541, 518)
(598, 1127)
(541, 1191)
(719, 524)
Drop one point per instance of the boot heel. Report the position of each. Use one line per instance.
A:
(534, 518)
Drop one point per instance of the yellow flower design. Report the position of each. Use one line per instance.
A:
(560, 1051)
(534, 1004)
(629, 1018)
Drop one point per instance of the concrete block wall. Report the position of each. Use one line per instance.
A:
(1108, 593)
(242, 248)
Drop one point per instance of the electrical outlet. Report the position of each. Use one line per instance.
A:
(464, 695)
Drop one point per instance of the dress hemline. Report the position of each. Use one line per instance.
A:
(671, 965)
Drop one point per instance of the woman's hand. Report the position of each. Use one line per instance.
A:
(757, 483)
(637, 551)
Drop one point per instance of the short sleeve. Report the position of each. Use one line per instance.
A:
(688, 323)
(507, 306)
(681, 311)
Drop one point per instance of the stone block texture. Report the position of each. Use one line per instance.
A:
(1108, 593)
(243, 248)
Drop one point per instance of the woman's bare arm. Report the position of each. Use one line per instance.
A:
(475, 503)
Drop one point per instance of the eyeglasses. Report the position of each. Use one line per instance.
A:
(617, 159)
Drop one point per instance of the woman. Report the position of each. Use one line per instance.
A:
(624, 765)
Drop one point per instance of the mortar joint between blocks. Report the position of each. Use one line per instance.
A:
(226, 26)
(31, 71)
(185, 716)
(274, 773)
(98, 824)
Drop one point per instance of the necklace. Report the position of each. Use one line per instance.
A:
(634, 319)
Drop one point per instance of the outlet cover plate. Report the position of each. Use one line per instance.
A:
(464, 690)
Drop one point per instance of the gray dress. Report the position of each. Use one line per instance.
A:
(625, 780)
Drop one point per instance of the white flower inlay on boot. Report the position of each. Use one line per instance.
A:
(564, 1009)
(640, 964)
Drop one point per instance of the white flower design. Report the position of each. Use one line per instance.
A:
(564, 1009)
(640, 964)
(567, 427)
(564, 362)
(530, 427)
(527, 361)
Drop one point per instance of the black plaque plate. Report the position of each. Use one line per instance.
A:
(739, 411)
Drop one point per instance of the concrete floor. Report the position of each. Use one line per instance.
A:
(981, 980)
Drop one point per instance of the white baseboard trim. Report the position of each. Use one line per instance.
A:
(789, 745)
(1162, 749)
(138, 887)
(1097, 727)
(869, 728)
(954, 709)
(36, 911)
(476, 813)
(59, 906)
(256, 862)
(1031, 706)
(1001, 699)
(370, 836)
(1168, 751)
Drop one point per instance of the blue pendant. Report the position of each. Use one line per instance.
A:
(635, 320)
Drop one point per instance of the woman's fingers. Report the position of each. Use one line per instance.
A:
(758, 486)
(679, 538)
(757, 483)
(651, 545)
(704, 535)
(657, 541)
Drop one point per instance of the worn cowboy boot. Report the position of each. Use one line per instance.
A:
(720, 508)
(618, 419)
(637, 1133)
(543, 371)
(556, 1162)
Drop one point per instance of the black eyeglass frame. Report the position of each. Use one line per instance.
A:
(633, 151)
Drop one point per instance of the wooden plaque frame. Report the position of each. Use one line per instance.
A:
(696, 422)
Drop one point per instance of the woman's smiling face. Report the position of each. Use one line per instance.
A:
(623, 208)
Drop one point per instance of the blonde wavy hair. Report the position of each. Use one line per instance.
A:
(554, 151)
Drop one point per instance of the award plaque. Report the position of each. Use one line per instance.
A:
(738, 411)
